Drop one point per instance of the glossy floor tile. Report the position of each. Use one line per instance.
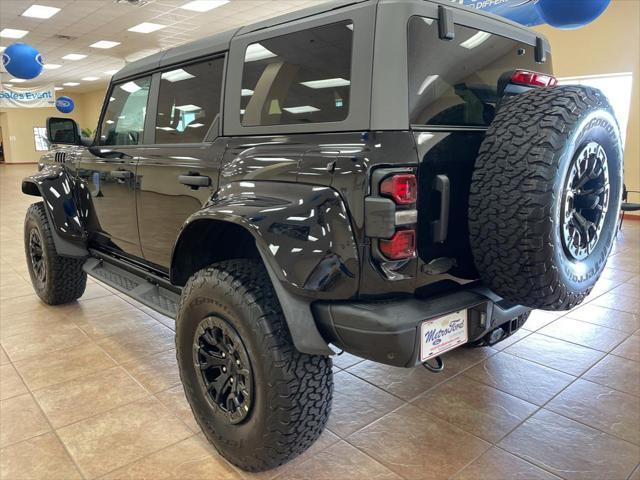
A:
(91, 390)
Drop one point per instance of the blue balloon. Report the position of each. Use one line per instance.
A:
(570, 14)
(22, 61)
(65, 104)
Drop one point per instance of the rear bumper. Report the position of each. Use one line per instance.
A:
(388, 331)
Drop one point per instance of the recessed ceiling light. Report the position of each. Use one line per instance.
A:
(255, 51)
(51, 66)
(110, 72)
(176, 75)
(302, 109)
(89, 79)
(17, 80)
(130, 87)
(57, 89)
(13, 33)
(40, 11)
(188, 108)
(327, 83)
(2, 48)
(203, 5)
(246, 92)
(146, 27)
(74, 56)
(71, 84)
(195, 125)
(104, 44)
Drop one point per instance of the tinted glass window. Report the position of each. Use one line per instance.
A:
(455, 82)
(302, 77)
(189, 101)
(123, 122)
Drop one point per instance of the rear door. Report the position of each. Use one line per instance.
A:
(109, 167)
(178, 172)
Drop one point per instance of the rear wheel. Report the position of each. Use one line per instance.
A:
(258, 400)
(55, 279)
(545, 196)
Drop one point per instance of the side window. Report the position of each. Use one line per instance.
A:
(189, 101)
(123, 122)
(301, 77)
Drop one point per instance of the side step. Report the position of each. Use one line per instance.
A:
(139, 285)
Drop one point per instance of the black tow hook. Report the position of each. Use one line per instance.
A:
(439, 367)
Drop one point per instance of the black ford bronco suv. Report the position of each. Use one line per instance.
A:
(392, 178)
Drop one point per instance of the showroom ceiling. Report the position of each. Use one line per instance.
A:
(81, 23)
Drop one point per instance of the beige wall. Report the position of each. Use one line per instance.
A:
(17, 124)
(611, 44)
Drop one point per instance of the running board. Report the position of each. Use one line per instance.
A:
(139, 285)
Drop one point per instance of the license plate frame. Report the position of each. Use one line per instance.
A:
(436, 340)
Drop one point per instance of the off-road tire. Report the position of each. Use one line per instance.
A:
(516, 198)
(292, 391)
(64, 280)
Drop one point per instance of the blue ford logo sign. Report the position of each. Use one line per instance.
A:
(65, 104)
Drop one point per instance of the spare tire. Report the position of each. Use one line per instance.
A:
(545, 196)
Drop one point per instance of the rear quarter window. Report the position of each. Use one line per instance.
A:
(301, 77)
(455, 82)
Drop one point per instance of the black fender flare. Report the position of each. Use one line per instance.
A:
(64, 209)
(305, 239)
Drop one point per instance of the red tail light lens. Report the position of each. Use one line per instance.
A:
(401, 246)
(533, 79)
(403, 189)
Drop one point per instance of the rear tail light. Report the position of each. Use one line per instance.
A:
(402, 188)
(401, 246)
(533, 79)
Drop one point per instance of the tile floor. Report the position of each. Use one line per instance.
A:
(91, 390)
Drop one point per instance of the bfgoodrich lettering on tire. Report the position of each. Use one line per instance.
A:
(256, 398)
(545, 196)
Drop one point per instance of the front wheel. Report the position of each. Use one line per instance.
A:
(55, 279)
(258, 400)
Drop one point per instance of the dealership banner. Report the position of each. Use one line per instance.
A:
(29, 97)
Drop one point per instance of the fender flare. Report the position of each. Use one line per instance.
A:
(304, 236)
(57, 188)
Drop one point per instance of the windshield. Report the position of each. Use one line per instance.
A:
(455, 82)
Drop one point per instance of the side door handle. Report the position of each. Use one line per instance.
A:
(121, 174)
(194, 181)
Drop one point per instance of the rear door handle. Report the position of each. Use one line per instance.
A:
(440, 227)
(195, 181)
(121, 174)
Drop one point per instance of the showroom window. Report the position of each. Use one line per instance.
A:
(455, 82)
(189, 101)
(123, 122)
(617, 88)
(301, 77)
(40, 139)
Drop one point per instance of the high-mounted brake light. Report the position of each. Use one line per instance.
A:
(533, 79)
(401, 246)
(403, 188)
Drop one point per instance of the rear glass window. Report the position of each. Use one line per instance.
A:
(301, 77)
(455, 82)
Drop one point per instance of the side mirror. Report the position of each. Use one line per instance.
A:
(63, 131)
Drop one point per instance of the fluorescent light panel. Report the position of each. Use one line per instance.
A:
(301, 109)
(111, 72)
(246, 92)
(130, 87)
(176, 75)
(188, 108)
(40, 11)
(57, 89)
(51, 66)
(146, 27)
(203, 5)
(16, 80)
(74, 56)
(89, 79)
(13, 33)
(255, 51)
(104, 44)
(478, 39)
(71, 84)
(327, 83)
